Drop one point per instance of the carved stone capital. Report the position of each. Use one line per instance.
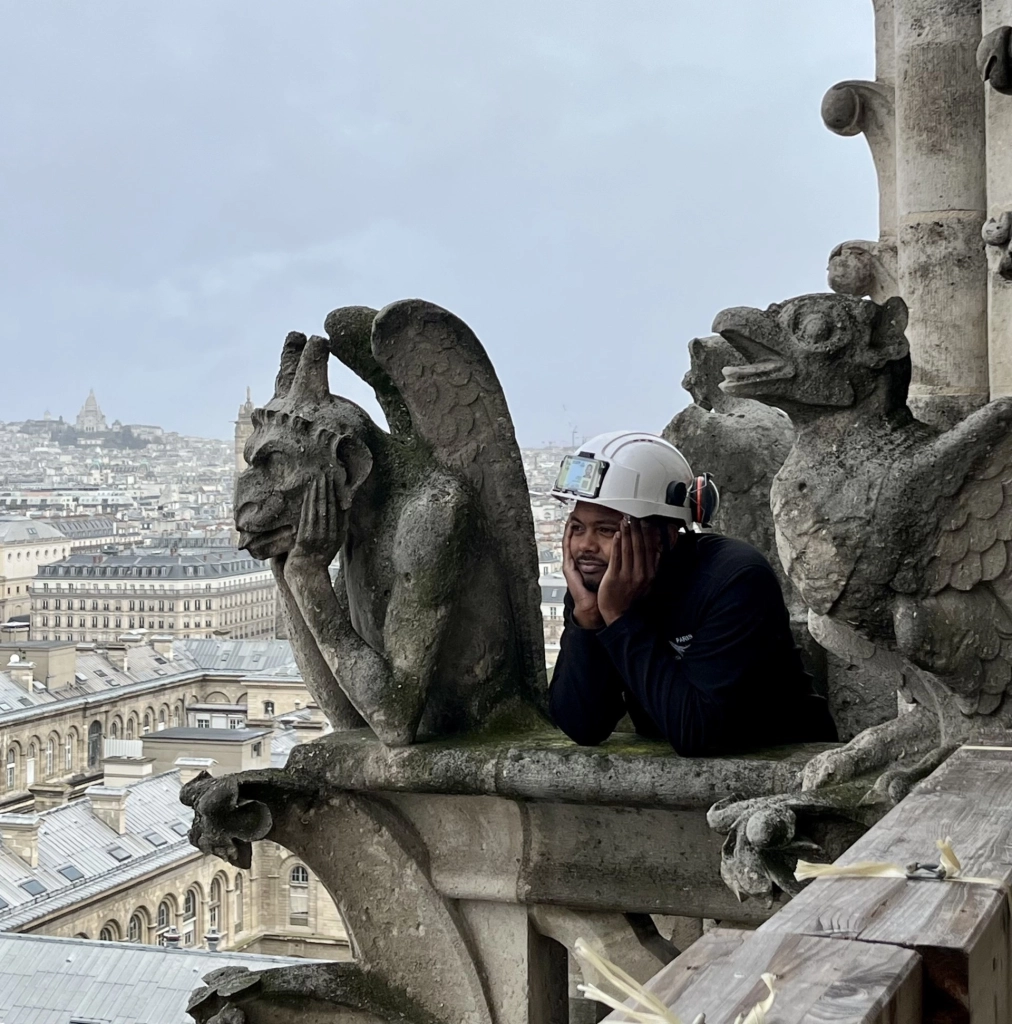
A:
(868, 108)
(994, 59)
(863, 269)
(997, 235)
(766, 836)
(224, 824)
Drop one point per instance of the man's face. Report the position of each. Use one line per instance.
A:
(592, 531)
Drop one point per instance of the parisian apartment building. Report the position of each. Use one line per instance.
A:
(186, 593)
(95, 745)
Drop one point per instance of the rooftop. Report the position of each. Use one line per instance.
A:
(22, 530)
(185, 732)
(96, 675)
(162, 563)
(49, 980)
(80, 855)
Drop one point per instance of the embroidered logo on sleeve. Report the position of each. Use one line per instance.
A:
(681, 644)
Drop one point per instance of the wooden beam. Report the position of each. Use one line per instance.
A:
(961, 931)
(818, 980)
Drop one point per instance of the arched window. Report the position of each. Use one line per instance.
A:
(268, 708)
(94, 744)
(161, 719)
(238, 904)
(114, 730)
(298, 896)
(137, 930)
(109, 932)
(191, 905)
(214, 907)
(33, 753)
(68, 752)
(12, 767)
(166, 918)
(50, 757)
(130, 729)
(147, 723)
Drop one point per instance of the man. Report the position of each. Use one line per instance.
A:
(685, 631)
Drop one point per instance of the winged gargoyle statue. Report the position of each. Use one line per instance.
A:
(432, 626)
(896, 535)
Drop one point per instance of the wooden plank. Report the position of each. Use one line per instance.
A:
(960, 931)
(819, 981)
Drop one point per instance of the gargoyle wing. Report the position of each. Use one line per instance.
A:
(350, 331)
(457, 407)
(966, 632)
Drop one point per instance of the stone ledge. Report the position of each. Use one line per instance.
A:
(626, 770)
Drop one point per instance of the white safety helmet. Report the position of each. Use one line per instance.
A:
(639, 474)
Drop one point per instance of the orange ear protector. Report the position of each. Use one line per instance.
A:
(704, 500)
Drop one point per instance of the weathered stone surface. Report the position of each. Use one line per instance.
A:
(453, 863)
(932, 197)
(433, 625)
(891, 530)
(744, 443)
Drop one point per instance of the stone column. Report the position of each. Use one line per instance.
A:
(993, 62)
(941, 199)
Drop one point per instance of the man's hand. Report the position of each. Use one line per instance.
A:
(317, 539)
(635, 555)
(585, 610)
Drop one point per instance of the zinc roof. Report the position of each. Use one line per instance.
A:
(21, 529)
(49, 980)
(74, 835)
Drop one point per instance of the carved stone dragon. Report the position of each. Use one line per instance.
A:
(432, 626)
(897, 535)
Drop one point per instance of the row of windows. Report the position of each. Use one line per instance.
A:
(132, 606)
(190, 923)
(132, 621)
(45, 554)
(60, 756)
(147, 571)
(265, 629)
(221, 587)
(141, 929)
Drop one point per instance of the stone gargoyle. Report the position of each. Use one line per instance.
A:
(743, 442)
(896, 535)
(432, 626)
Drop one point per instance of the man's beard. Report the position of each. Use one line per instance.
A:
(594, 583)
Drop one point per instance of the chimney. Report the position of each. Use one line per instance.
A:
(191, 767)
(48, 795)
(162, 645)
(109, 805)
(212, 938)
(123, 768)
(116, 654)
(171, 938)
(20, 834)
(21, 672)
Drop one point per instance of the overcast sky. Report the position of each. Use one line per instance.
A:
(585, 182)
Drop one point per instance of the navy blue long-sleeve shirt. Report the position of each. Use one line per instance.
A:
(707, 660)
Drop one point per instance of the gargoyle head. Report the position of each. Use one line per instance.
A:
(302, 432)
(818, 352)
(707, 359)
